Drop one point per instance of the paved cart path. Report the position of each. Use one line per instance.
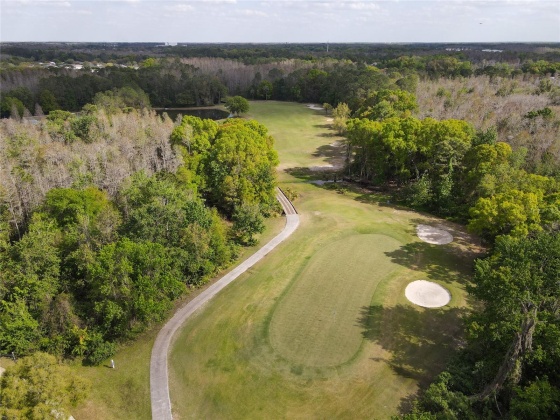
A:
(159, 384)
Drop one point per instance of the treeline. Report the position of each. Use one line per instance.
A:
(524, 110)
(509, 366)
(165, 82)
(107, 217)
(195, 81)
(258, 53)
(448, 168)
(170, 82)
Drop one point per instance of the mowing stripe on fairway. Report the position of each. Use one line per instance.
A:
(315, 323)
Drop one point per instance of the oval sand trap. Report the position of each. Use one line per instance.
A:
(427, 294)
(433, 235)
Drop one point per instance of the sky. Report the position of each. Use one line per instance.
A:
(280, 21)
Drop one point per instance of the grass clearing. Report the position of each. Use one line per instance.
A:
(269, 345)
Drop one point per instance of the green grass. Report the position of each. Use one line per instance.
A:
(300, 132)
(124, 393)
(335, 284)
(321, 327)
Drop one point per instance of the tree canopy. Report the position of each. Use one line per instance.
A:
(39, 387)
(237, 105)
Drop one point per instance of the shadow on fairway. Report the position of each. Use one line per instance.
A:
(330, 152)
(301, 172)
(324, 127)
(381, 198)
(470, 243)
(438, 263)
(419, 341)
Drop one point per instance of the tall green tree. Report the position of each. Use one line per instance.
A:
(132, 284)
(519, 324)
(239, 167)
(387, 103)
(237, 105)
(514, 212)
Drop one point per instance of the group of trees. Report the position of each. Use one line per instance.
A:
(510, 364)
(196, 81)
(510, 367)
(131, 53)
(38, 387)
(108, 216)
(166, 83)
(524, 112)
(447, 166)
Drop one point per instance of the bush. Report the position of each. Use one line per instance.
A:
(290, 194)
(247, 221)
(98, 350)
(419, 193)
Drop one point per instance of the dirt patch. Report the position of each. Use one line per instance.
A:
(427, 294)
(433, 235)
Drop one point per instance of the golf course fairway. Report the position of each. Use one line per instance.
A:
(321, 327)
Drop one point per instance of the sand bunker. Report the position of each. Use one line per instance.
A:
(427, 294)
(315, 107)
(433, 235)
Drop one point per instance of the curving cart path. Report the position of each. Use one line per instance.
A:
(159, 384)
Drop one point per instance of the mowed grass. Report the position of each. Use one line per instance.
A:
(300, 132)
(124, 393)
(315, 322)
(321, 327)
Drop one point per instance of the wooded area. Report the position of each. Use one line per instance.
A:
(107, 216)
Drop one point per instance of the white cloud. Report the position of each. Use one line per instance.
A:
(218, 1)
(179, 8)
(363, 6)
(251, 12)
(286, 20)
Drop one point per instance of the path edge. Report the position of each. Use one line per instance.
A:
(159, 378)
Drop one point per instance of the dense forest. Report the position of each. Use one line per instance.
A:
(109, 214)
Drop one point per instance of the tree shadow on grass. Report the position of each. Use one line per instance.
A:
(438, 263)
(329, 151)
(462, 239)
(323, 126)
(419, 341)
(332, 154)
(381, 198)
(301, 172)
